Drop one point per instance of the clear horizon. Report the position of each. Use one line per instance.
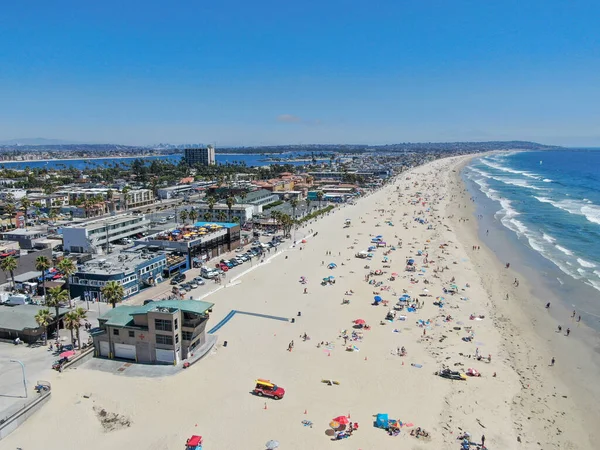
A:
(239, 74)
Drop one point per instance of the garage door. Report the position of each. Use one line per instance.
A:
(166, 356)
(124, 351)
(104, 348)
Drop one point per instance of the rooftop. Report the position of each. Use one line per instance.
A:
(21, 317)
(25, 232)
(122, 316)
(116, 220)
(119, 262)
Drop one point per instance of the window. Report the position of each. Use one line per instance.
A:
(187, 335)
(176, 327)
(131, 333)
(115, 332)
(177, 339)
(163, 339)
(163, 325)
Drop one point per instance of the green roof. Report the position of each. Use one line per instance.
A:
(21, 317)
(121, 316)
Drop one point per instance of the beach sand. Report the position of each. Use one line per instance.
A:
(213, 397)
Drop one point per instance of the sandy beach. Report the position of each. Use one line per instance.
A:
(425, 215)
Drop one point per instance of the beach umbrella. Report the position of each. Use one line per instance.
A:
(359, 322)
(426, 291)
(377, 298)
(335, 425)
(342, 420)
(272, 445)
(303, 241)
(394, 274)
(331, 277)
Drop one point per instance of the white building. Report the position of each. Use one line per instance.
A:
(91, 236)
(17, 194)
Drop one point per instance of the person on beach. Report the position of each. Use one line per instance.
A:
(483, 441)
(568, 331)
(552, 362)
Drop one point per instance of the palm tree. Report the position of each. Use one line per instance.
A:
(193, 215)
(52, 214)
(10, 264)
(113, 292)
(221, 216)
(82, 314)
(25, 204)
(320, 196)
(230, 202)
(210, 201)
(183, 215)
(56, 296)
(42, 263)
(10, 209)
(72, 323)
(44, 318)
(67, 267)
(207, 216)
(294, 205)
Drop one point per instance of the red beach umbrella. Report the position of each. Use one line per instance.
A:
(342, 420)
(360, 321)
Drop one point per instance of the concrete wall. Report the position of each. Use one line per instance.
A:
(13, 422)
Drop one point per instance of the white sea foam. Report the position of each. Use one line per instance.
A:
(509, 170)
(560, 281)
(584, 263)
(548, 238)
(517, 182)
(587, 209)
(547, 180)
(566, 251)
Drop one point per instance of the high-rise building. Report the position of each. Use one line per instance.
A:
(200, 156)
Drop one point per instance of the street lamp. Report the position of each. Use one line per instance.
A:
(24, 378)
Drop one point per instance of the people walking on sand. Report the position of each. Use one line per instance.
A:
(573, 315)
(559, 328)
(568, 331)
(306, 290)
(579, 319)
(552, 362)
(483, 441)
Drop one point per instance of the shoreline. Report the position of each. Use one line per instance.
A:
(524, 401)
(524, 317)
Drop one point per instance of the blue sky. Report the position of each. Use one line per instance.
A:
(273, 72)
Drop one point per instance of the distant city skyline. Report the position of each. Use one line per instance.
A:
(263, 73)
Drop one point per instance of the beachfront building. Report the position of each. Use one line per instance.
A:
(18, 321)
(160, 332)
(200, 156)
(91, 236)
(220, 211)
(200, 242)
(257, 199)
(134, 270)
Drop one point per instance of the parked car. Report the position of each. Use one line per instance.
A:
(148, 301)
(268, 389)
(224, 267)
(194, 285)
(199, 281)
(178, 278)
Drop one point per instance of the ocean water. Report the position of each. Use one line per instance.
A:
(551, 202)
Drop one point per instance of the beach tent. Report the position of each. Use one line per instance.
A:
(332, 266)
(382, 421)
(377, 298)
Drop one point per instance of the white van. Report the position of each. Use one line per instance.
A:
(208, 273)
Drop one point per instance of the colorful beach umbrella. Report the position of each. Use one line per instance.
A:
(342, 420)
(360, 321)
(377, 298)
